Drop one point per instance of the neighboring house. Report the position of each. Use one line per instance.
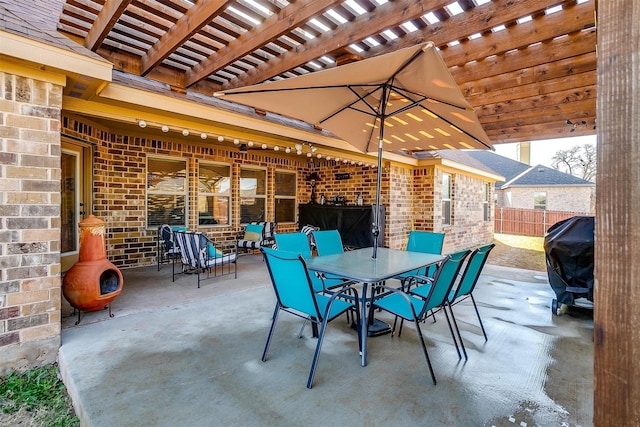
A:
(537, 187)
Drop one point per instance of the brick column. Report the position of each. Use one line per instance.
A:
(29, 221)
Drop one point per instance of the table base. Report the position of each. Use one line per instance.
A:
(377, 328)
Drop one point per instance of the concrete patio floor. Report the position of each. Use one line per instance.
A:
(177, 355)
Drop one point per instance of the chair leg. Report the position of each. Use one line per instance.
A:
(424, 351)
(302, 328)
(273, 327)
(455, 323)
(455, 341)
(316, 355)
(479, 319)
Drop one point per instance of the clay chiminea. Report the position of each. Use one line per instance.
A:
(93, 282)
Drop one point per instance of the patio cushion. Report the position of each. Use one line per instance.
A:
(213, 251)
(253, 232)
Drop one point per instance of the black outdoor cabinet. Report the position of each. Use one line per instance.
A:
(354, 223)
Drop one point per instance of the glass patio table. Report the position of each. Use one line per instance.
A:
(358, 265)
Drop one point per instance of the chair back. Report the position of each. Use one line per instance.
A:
(268, 233)
(425, 241)
(193, 247)
(471, 272)
(166, 235)
(328, 242)
(444, 279)
(296, 243)
(291, 281)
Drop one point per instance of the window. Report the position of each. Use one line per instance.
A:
(214, 194)
(253, 195)
(485, 203)
(285, 197)
(446, 199)
(166, 192)
(540, 200)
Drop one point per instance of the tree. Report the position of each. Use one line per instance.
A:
(578, 161)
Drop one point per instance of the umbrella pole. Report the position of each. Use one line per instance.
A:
(376, 217)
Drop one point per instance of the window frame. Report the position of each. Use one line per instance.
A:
(228, 195)
(184, 193)
(485, 203)
(540, 206)
(257, 196)
(447, 216)
(278, 197)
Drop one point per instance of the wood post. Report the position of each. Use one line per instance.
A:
(617, 239)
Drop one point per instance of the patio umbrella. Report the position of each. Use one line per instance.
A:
(404, 100)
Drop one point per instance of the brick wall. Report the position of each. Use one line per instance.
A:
(571, 199)
(30, 287)
(468, 228)
(411, 195)
(119, 184)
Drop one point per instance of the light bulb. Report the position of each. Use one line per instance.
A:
(287, 150)
(298, 147)
(264, 146)
(221, 138)
(276, 148)
(299, 152)
(203, 135)
(142, 124)
(185, 132)
(328, 157)
(308, 154)
(236, 141)
(319, 155)
(250, 143)
(165, 128)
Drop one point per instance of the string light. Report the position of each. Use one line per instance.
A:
(300, 148)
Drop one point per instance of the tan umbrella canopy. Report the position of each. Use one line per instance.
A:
(404, 100)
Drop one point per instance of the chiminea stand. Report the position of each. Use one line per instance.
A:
(93, 282)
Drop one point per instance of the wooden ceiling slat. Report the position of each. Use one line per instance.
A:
(585, 63)
(554, 50)
(534, 89)
(388, 15)
(478, 20)
(521, 36)
(538, 132)
(272, 28)
(191, 22)
(541, 113)
(104, 22)
(574, 102)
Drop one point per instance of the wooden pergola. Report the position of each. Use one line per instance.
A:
(528, 67)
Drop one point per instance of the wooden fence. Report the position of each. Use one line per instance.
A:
(528, 222)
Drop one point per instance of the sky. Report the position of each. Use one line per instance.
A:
(543, 151)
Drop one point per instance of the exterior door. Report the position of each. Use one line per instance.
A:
(74, 200)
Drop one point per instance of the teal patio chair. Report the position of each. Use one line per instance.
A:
(295, 295)
(298, 243)
(425, 242)
(416, 304)
(328, 242)
(467, 284)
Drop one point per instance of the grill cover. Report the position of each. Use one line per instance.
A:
(568, 248)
